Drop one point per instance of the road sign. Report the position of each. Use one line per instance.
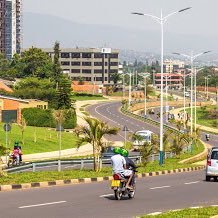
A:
(7, 127)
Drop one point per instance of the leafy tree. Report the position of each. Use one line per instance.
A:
(36, 64)
(36, 88)
(115, 78)
(57, 71)
(64, 94)
(93, 133)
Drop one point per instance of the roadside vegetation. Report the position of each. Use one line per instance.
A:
(37, 139)
(207, 116)
(205, 212)
(85, 96)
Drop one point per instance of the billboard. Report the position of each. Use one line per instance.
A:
(106, 50)
(9, 116)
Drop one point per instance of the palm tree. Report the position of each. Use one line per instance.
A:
(145, 151)
(178, 143)
(3, 151)
(22, 126)
(93, 133)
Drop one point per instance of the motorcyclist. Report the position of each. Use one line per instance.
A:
(207, 136)
(119, 166)
(129, 164)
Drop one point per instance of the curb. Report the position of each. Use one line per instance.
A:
(197, 207)
(89, 180)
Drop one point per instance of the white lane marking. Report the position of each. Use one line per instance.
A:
(195, 207)
(189, 183)
(160, 187)
(39, 205)
(107, 195)
(155, 213)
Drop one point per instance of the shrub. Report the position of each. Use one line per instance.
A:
(43, 118)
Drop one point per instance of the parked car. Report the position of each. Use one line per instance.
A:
(108, 152)
(212, 164)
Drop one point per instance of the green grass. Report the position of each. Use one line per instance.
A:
(85, 98)
(205, 212)
(203, 117)
(47, 140)
(18, 178)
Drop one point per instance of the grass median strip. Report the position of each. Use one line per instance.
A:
(30, 177)
(205, 212)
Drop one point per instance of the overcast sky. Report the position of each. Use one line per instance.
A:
(202, 19)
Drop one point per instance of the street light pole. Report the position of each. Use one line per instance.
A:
(130, 88)
(192, 57)
(184, 102)
(161, 20)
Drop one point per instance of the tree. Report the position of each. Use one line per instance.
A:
(64, 94)
(3, 151)
(115, 78)
(178, 143)
(145, 151)
(57, 71)
(36, 64)
(22, 124)
(93, 133)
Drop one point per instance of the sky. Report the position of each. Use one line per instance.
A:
(201, 20)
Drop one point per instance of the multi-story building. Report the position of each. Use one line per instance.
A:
(2, 26)
(90, 64)
(171, 66)
(11, 27)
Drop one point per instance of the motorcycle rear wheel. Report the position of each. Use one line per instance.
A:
(132, 193)
(118, 194)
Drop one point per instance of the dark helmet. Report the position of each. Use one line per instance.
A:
(124, 152)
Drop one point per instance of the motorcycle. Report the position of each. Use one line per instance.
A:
(12, 160)
(118, 184)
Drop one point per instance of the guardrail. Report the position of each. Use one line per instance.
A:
(82, 163)
(153, 122)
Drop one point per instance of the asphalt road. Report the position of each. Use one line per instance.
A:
(110, 113)
(96, 200)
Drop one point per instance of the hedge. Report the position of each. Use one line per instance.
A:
(44, 118)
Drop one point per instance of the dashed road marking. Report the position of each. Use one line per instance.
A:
(159, 187)
(189, 183)
(107, 195)
(39, 205)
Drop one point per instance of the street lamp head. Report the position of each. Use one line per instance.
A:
(176, 53)
(207, 52)
(137, 13)
(185, 9)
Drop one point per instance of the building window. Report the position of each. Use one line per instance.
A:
(65, 63)
(98, 78)
(65, 55)
(75, 55)
(113, 63)
(98, 55)
(87, 63)
(113, 55)
(113, 71)
(86, 71)
(97, 71)
(75, 63)
(75, 70)
(86, 55)
(97, 63)
(88, 78)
